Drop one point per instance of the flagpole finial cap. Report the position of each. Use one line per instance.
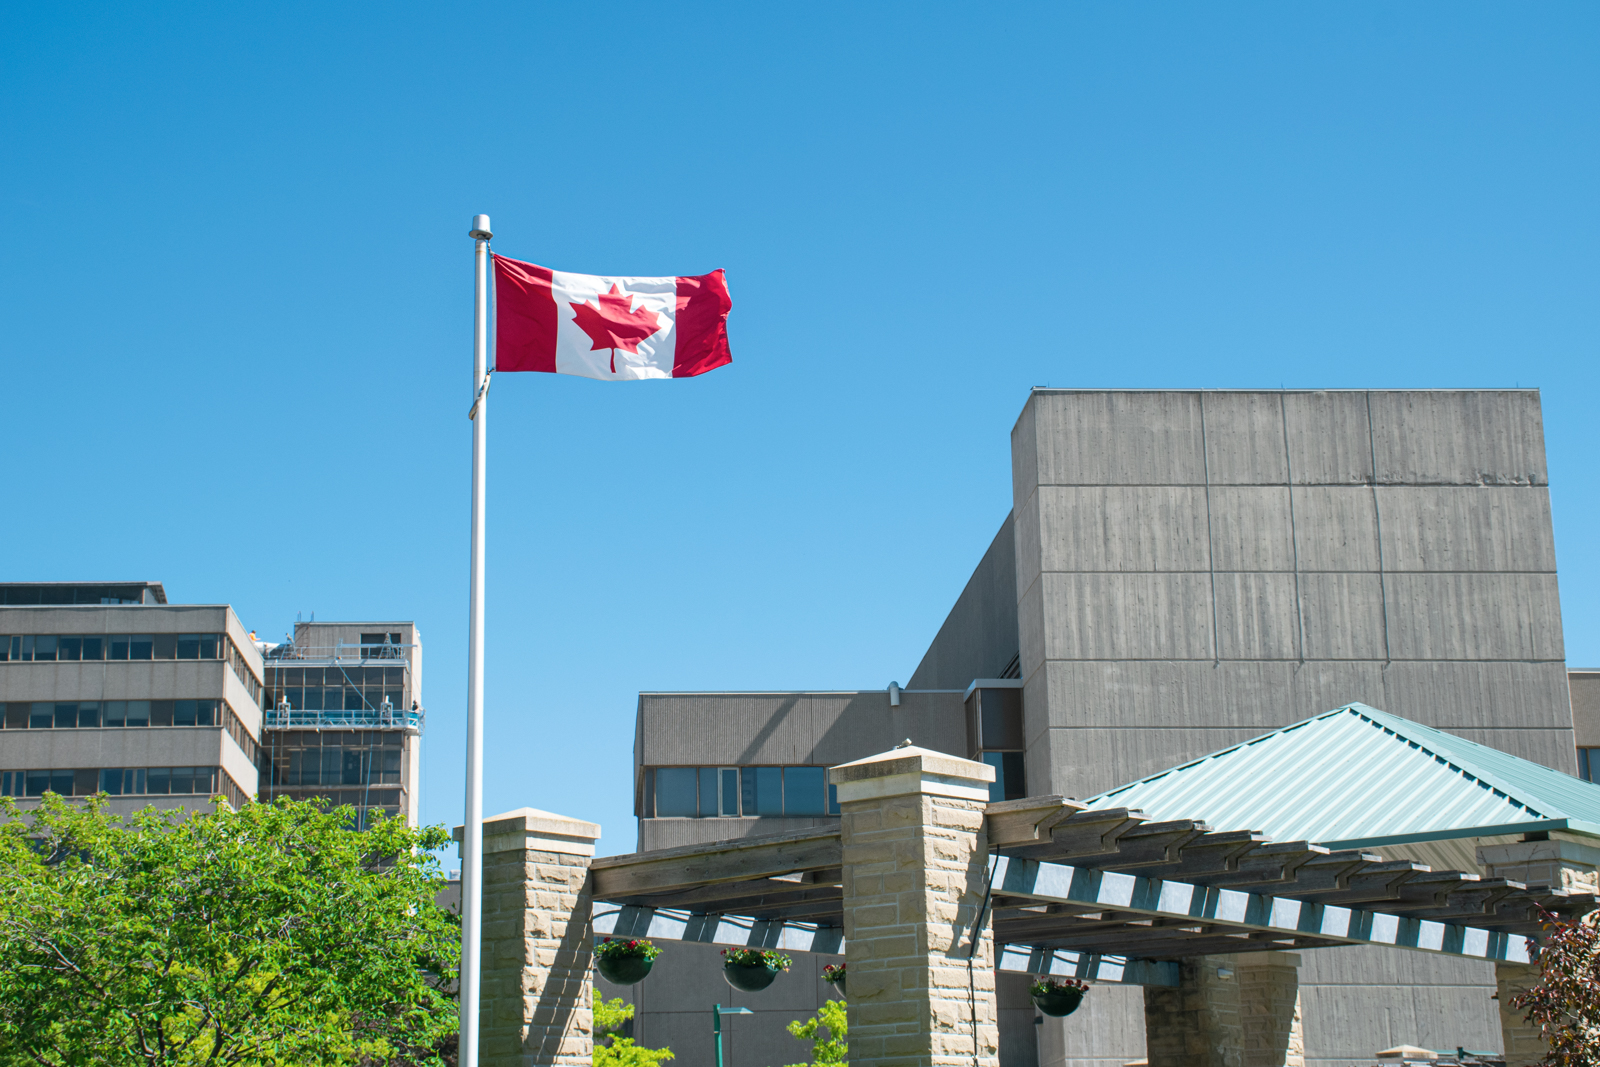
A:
(480, 228)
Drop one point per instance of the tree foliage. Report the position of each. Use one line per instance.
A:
(1565, 1004)
(268, 936)
(832, 1049)
(609, 1017)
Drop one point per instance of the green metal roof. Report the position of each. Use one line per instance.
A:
(1358, 777)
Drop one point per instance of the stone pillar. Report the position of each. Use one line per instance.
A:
(916, 863)
(1523, 1041)
(1269, 1009)
(537, 943)
(1227, 1011)
(1556, 863)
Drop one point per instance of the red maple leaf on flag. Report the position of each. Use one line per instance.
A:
(615, 323)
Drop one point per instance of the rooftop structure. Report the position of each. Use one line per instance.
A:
(344, 716)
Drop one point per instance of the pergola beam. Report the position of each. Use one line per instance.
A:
(1058, 883)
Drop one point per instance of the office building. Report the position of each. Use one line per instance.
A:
(1180, 572)
(344, 716)
(106, 687)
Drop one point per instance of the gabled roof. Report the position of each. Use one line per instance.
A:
(1358, 777)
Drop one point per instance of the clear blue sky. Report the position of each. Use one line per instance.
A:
(235, 300)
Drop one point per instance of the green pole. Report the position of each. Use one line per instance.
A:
(716, 1028)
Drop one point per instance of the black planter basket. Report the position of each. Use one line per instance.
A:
(623, 970)
(1058, 1002)
(750, 977)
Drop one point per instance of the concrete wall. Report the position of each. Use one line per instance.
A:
(1194, 569)
(1585, 688)
(979, 637)
(673, 1007)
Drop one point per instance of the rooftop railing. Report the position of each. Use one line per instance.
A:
(287, 653)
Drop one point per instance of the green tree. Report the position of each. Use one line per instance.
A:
(830, 1049)
(1566, 1001)
(609, 1017)
(269, 936)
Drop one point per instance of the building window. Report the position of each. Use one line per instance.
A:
(382, 646)
(1588, 763)
(733, 792)
(73, 648)
(121, 781)
(1009, 781)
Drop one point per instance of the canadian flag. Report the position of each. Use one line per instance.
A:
(615, 329)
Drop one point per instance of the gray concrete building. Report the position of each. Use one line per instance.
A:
(344, 716)
(1180, 571)
(106, 687)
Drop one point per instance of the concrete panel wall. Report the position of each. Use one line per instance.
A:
(673, 1007)
(979, 638)
(744, 729)
(1584, 687)
(158, 746)
(1195, 569)
(1267, 535)
(1357, 1001)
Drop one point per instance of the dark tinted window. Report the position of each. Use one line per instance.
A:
(69, 648)
(66, 716)
(188, 646)
(166, 646)
(802, 791)
(141, 646)
(42, 717)
(117, 646)
(675, 791)
(88, 714)
(138, 713)
(94, 648)
(44, 646)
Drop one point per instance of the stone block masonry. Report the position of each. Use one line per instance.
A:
(537, 944)
(915, 870)
(1228, 1011)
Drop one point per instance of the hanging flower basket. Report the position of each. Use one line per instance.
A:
(752, 969)
(625, 962)
(1057, 996)
(834, 976)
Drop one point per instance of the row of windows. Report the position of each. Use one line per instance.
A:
(337, 798)
(57, 648)
(336, 766)
(125, 781)
(344, 698)
(392, 677)
(38, 648)
(241, 669)
(117, 781)
(367, 802)
(733, 792)
(112, 714)
(97, 714)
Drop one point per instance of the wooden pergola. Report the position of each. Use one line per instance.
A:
(1103, 894)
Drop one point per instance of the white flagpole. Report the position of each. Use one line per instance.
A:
(472, 835)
